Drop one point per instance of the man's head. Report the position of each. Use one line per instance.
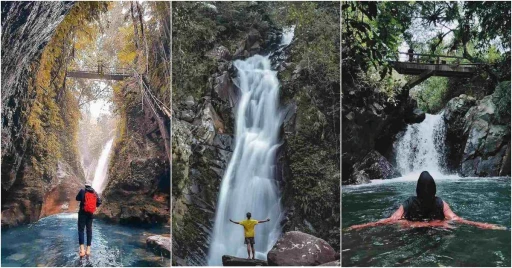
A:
(248, 215)
(88, 184)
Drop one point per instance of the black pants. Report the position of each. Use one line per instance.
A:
(84, 220)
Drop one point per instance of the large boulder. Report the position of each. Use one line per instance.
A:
(160, 245)
(300, 249)
(455, 138)
(485, 151)
(416, 116)
(234, 261)
(373, 166)
(219, 53)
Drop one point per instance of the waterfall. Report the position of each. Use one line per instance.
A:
(288, 34)
(100, 175)
(248, 184)
(421, 147)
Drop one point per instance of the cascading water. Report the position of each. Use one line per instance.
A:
(477, 199)
(420, 148)
(288, 34)
(100, 175)
(248, 184)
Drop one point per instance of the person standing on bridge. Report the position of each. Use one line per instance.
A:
(89, 201)
(249, 225)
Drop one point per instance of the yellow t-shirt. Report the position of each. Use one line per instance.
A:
(249, 227)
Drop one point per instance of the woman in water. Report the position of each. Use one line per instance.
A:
(425, 209)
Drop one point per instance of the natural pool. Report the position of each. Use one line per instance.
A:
(477, 199)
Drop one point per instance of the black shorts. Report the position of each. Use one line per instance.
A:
(249, 240)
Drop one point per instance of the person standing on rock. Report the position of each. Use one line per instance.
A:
(89, 201)
(249, 225)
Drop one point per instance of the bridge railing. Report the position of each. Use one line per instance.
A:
(100, 69)
(434, 59)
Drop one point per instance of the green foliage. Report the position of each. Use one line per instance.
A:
(53, 118)
(432, 95)
(313, 147)
(197, 28)
(501, 97)
(372, 32)
(319, 45)
(493, 21)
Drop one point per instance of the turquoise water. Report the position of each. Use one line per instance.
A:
(477, 199)
(53, 241)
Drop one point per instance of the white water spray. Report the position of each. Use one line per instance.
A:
(100, 175)
(248, 184)
(288, 34)
(421, 146)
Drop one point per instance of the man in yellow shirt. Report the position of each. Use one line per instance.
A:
(249, 232)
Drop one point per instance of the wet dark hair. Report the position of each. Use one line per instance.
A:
(425, 205)
(248, 215)
(426, 187)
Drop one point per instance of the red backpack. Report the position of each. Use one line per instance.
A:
(90, 202)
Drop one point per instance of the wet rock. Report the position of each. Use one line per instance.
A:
(61, 197)
(219, 53)
(373, 166)
(300, 249)
(160, 245)
(417, 116)
(290, 115)
(358, 177)
(187, 115)
(190, 102)
(209, 124)
(139, 182)
(234, 261)
(26, 29)
(252, 37)
(455, 137)
(487, 142)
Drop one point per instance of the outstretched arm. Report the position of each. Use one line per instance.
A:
(449, 215)
(235, 222)
(268, 219)
(392, 219)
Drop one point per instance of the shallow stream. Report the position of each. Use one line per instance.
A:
(53, 241)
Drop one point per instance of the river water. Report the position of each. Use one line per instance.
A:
(477, 199)
(53, 241)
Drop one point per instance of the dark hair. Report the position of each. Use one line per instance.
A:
(426, 186)
(248, 215)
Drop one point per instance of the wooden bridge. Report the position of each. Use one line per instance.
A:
(100, 72)
(425, 66)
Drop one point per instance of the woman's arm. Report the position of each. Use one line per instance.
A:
(449, 215)
(392, 219)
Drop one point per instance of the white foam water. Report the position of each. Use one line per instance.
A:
(100, 175)
(420, 148)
